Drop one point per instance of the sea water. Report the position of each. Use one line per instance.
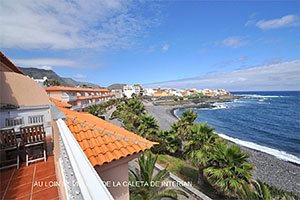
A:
(265, 121)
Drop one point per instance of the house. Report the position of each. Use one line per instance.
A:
(84, 151)
(23, 101)
(161, 94)
(79, 98)
(128, 91)
(108, 147)
(41, 81)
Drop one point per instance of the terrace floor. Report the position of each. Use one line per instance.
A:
(37, 181)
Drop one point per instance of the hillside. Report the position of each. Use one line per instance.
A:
(116, 86)
(40, 73)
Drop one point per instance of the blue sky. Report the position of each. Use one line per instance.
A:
(148, 42)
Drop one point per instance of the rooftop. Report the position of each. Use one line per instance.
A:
(32, 182)
(102, 148)
(103, 126)
(63, 88)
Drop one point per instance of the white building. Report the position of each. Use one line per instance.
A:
(128, 90)
(40, 81)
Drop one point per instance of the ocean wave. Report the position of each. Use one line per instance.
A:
(261, 96)
(220, 106)
(278, 154)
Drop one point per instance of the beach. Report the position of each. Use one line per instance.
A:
(269, 169)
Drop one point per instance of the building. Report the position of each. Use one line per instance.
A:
(83, 153)
(128, 91)
(161, 94)
(19, 105)
(41, 81)
(79, 98)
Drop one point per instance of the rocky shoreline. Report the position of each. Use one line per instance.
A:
(269, 169)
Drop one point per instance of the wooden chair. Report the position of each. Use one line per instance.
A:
(34, 138)
(8, 144)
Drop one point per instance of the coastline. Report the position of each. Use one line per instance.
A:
(269, 169)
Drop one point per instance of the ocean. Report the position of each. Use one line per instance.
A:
(265, 121)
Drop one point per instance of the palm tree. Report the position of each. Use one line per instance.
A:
(149, 187)
(256, 191)
(182, 127)
(148, 126)
(172, 141)
(54, 82)
(200, 147)
(46, 83)
(230, 170)
(94, 110)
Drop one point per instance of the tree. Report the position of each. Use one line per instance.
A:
(94, 110)
(149, 185)
(200, 147)
(148, 126)
(182, 127)
(230, 170)
(173, 142)
(46, 83)
(53, 82)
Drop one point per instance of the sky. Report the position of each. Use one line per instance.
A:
(235, 45)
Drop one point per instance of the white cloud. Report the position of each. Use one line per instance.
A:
(165, 47)
(79, 76)
(63, 24)
(281, 76)
(285, 21)
(46, 67)
(45, 63)
(242, 58)
(235, 41)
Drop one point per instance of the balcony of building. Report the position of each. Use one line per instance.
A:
(66, 174)
(68, 97)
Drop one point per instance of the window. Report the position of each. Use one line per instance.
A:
(14, 121)
(35, 119)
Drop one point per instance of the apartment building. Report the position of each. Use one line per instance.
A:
(83, 151)
(79, 98)
(17, 105)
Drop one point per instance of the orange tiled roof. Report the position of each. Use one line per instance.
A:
(59, 103)
(62, 88)
(9, 64)
(102, 147)
(102, 125)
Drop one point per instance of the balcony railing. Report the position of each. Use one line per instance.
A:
(81, 181)
(69, 98)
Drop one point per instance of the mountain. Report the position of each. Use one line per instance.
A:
(116, 86)
(40, 73)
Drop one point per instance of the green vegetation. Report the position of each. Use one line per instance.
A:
(100, 109)
(200, 147)
(179, 167)
(52, 82)
(146, 186)
(229, 170)
(195, 96)
(215, 163)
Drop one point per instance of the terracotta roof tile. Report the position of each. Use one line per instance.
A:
(59, 103)
(102, 148)
(62, 88)
(104, 142)
(89, 153)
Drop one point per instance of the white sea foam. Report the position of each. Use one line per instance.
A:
(261, 96)
(279, 154)
(219, 106)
